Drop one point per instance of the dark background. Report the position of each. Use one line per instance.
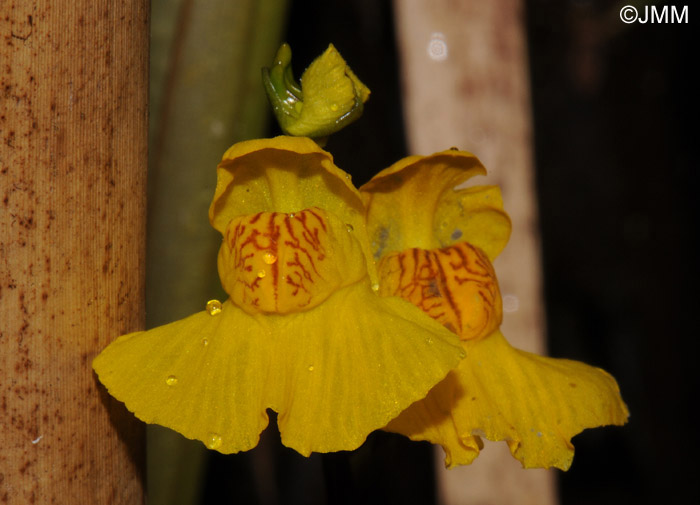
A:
(616, 180)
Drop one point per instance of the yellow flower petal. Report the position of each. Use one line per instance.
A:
(334, 373)
(331, 91)
(534, 403)
(329, 98)
(414, 203)
(474, 215)
(430, 419)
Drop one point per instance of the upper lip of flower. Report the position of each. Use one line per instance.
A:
(442, 212)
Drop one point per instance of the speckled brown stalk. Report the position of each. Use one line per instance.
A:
(73, 154)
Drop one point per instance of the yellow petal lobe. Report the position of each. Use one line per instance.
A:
(536, 404)
(420, 202)
(455, 285)
(329, 97)
(332, 384)
(333, 96)
(431, 419)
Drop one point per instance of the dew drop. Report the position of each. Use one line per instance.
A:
(429, 340)
(171, 380)
(269, 258)
(375, 286)
(205, 342)
(213, 441)
(348, 176)
(290, 215)
(350, 227)
(261, 274)
(214, 307)
(311, 368)
(462, 354)
(334, 107)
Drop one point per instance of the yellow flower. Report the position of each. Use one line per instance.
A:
(434, 245)
(303, 332)
(329, 98)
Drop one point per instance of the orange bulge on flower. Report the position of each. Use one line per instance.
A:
(434, 240)
(282, 263)
(455, 285)
(303, 332)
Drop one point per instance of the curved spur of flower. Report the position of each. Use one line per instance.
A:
(435, 245)
(303, 332)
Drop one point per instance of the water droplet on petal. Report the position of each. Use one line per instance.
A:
(375, 286)
(290, 215)
(311, 368)
(334, 107)
(171, 380)
(261, 274)
(214, 307)
(269, 258)
(350, 227)
(462, 354)
(348, 176)
(213, 441)
(205, 342)
(429, 340)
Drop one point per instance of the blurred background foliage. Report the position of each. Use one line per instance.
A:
(205, 95)
(616, 174)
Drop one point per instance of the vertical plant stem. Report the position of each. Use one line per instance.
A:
(206, 94)
(73, 154)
